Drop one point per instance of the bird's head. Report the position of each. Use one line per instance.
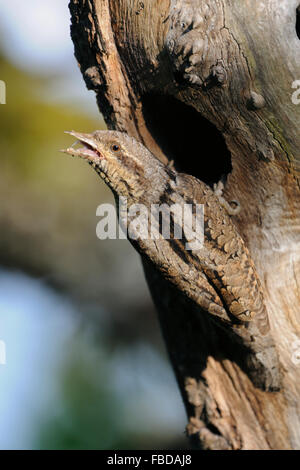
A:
(126, 166)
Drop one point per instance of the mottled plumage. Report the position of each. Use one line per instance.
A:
(220, 277)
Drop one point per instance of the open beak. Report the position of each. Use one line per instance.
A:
(88, 151)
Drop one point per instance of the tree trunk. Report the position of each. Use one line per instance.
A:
(214, 86)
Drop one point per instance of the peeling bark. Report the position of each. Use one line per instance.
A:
(209, 84)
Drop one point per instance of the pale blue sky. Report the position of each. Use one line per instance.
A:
(36, 326)
(36, 36)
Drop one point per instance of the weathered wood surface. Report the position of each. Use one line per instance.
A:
(209, 84)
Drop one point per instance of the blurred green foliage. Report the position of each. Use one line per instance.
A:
(32, 128)
(48, 200)
(47, 224)
(92, 415)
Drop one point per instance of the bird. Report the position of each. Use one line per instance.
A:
(218, 275)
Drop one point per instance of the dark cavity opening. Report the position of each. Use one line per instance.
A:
(195, 145)
(298, 21)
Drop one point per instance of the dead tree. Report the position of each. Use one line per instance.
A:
(214, 86)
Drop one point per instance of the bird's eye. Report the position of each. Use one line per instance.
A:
(115, 148)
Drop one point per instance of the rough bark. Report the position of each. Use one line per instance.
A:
(209, 84)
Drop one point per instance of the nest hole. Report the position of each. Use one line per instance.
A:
(195, 145)
(298, 21)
